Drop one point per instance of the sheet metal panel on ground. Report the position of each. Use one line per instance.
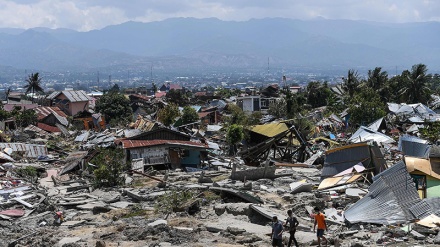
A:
(389, 200)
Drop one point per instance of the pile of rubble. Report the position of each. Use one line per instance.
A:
(184, 189)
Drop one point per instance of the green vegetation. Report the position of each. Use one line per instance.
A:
(366, 107)
(115, 107)
(28, 172)
(431, 131)
(177, 97)
(23, 118)
(168, 114)
(189, 115)
(172, 201)
(33, 85)
(234, 135)
(110, 167)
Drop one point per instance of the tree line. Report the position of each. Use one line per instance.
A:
(365, 98)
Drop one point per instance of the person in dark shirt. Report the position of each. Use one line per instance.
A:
(291, 223)
(277, 232)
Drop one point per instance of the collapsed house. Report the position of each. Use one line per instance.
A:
(163, 147)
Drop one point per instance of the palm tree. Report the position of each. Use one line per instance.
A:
(377, 78)
(34, 85)
(351, 83)
(415, 88)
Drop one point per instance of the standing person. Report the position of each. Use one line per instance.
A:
(277, 232)
(322, 226)
(293, 223)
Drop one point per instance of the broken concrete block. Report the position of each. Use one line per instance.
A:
(437, 239)
(68, 240)
(417, 235)
(235, 230)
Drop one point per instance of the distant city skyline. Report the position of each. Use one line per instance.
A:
(85, 15)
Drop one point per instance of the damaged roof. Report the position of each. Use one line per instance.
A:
(271, 129)
(389, 199)
(421, 165)
(45, 111)
(30, 150)
(414, 146)
(364, 134)
(342, 158)
(148, 143)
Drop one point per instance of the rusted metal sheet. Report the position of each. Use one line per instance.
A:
(30, 150)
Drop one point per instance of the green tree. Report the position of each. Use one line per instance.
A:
(431, 131)
(114, 89)
(234, 135)
(254, 118)
(115, 107)
(223, 92)
(236, 115)
(177, 97)
(3, 114)
(415, 87)
(110, 167)
(168, 114)
(318, 93)
(377, 78)
(24, 118)
(351, 84)
(33, 85)
(366, 107)
(278, 108)
(189, 115)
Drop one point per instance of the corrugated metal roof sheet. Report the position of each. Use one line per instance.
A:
(146, 143)
(48, 128)
(82, 137)
(271, 129)
(364, 134)
(10, 107)
(434, 204)
(45, 111)
(340, 159)
(389, 199)
(36, 129)
(414, 146)
(71, 95)
(30, 150)
(76, 95)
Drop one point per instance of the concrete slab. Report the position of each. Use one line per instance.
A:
(121, 204)
(72, 223)
(68, 240)
(158, 222)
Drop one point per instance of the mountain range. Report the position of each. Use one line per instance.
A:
(189, 44)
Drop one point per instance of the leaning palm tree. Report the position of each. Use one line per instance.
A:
(34, 85)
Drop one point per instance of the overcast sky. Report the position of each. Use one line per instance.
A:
(84, 15)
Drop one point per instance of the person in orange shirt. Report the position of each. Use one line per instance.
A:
(322, 226)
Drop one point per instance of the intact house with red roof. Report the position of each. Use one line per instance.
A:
(162, 148)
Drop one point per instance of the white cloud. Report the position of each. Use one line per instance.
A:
(94, 14)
